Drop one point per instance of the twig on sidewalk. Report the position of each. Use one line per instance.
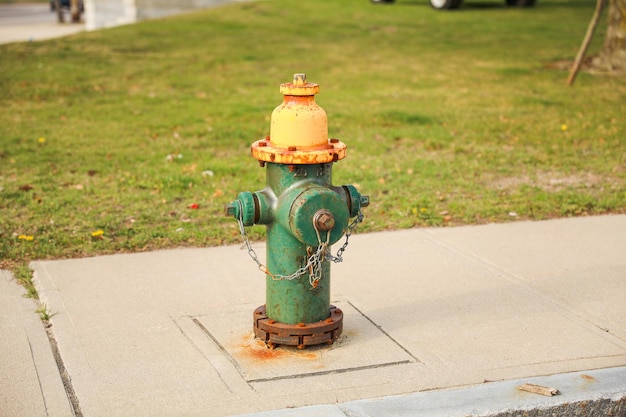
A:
(538, 389)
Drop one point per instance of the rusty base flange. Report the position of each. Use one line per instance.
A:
(301, 334)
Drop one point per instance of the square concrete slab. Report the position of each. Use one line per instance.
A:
(579, 262)
(363, 345)
(456, 313)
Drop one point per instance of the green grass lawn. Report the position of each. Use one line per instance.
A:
(107, 138)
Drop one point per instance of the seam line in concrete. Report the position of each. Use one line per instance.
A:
(334, 371)
(67, 381)
(385, 333)
(220, 347)
(32, 357)
(76, 363)
(202, 353)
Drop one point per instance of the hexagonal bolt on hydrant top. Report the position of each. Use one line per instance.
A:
(304, 215)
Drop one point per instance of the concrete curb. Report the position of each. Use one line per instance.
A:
(595, 393)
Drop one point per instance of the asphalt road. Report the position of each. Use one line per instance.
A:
(31, 22)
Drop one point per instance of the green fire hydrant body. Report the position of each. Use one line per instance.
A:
(304, 214)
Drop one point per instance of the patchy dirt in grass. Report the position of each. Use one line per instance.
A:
(591, 64)
(550, 181)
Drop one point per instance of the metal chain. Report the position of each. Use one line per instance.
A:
(338, 257)
(314, 261)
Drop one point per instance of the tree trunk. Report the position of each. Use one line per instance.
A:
(583, 48)
(613, 55)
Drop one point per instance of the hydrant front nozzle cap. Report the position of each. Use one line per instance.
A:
(324, 220)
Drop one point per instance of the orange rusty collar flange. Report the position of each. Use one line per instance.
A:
(264, 151)
(301, 335)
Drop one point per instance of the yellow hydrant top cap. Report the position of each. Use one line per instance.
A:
(298, 129)
(299, 87)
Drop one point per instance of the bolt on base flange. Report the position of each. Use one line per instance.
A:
(300, 334)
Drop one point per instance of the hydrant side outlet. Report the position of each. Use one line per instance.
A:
(304, 214)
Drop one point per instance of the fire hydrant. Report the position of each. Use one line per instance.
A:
(304, 214)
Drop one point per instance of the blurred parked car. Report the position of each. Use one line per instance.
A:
(453, 4)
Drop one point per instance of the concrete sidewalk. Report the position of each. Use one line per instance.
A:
(436, 322)
(28, 22)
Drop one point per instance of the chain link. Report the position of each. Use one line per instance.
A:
(314, 262)
(338, 257)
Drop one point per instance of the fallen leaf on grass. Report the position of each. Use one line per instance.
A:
(190, 168)
(98, 234)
